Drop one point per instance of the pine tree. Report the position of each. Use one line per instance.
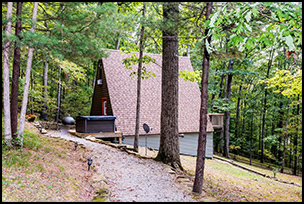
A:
(169, 136)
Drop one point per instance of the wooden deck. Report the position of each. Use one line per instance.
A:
(99, 135)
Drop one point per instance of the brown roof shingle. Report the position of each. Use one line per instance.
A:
(123, 92)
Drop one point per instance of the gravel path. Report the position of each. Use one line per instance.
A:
(129, 177)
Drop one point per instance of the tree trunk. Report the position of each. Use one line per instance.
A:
(263, 128)
(285, 137)
(31, 98)
(280, 125)
(227, 113)
(201, 148)
(45, 77)
(296, 139)
(265, 106)
(16, 74)
(58, 96)
(221, 86)
(251, 133)
(27, 79)
(238, 112)
(6, 97)
(141, 47)
(169, 138)
(117, 43)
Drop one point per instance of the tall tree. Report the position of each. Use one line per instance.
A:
(201, 147)
(45, 78)
(16, 73)
(285, 137)
(169, 135)
(27, 79)
(58, 96)
(141, 47)
(296, 139)
(6, 100)
(265, 105)
(238, 111)
(227, 112)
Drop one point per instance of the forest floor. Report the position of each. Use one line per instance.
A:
(36, 174)
(227, 182)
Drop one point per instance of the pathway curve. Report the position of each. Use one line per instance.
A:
(129, 177)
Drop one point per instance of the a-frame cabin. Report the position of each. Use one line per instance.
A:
(115, 94)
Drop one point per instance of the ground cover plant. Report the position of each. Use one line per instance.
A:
(45, 169)
(226, 182)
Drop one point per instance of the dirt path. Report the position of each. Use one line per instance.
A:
(130, 178)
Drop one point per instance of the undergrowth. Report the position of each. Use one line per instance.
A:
(41, 171)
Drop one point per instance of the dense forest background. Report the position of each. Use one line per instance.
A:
(262, 39)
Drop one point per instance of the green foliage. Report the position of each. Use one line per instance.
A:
(234, 147)
(275, 170)
(193, 76)
(222, 104)
(286, 82)
(79, 97)
(133, 60)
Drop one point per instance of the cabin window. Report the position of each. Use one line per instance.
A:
(104, 106)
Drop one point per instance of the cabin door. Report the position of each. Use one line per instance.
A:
(104, 106)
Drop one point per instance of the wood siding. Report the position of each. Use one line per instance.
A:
(100, 91)
(188, 144)
(209, 145)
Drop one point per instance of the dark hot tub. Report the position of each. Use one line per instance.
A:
(95, 124)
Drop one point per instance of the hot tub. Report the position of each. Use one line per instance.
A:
(95, 124)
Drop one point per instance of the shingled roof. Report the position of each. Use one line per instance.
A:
(122, 91)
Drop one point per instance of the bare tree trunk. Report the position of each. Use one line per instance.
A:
(141, 47)
(31, 98)
(117, 43)
(16, 74)
(169, 138)
(58, 96)
(296, 139)
(251, 133)
(221, 86)
(201, 148)
(265, 106)
(238, 112)
(285, 137)
(6, 97)
(227, 113)
(27, 79)
(280, 125)
(45, 77)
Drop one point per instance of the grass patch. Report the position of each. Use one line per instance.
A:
(226, 182)
(39, 171)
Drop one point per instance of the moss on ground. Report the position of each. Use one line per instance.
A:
(103, 195)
